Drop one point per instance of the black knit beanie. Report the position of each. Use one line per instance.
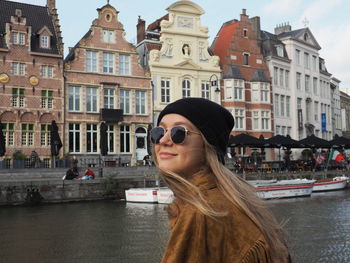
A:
(213, 120)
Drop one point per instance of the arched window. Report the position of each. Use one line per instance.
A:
(186, 88)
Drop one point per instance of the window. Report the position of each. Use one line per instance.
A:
(91, 61)
(275, 75)
(18, 68)
(288, 106)
(205, 90)
(91, 138)
(91, 99)
(124, 139)
(46, 99)
(308, 110)
(8, 130)
(140, 102)
(307, 83)
(279, 49)
(281, 77)
(298, 80)
(278, 130)
(238, 90)
(74, 137)
(108, 36)
(306, 60)
(108, 98)
(314, 63)
(256, 120)
(264, 92)
(289, 131)
(110, 136)
(283, 131)
(74, 98)
(286, 76)
(316, 110)
(27, 136)
(265, 120)
(46, 71)
(299, 101)
(186, 88)
(44, 41)
(239, 119)
(124, 64)
(245, 59)
(45, 135)
(108, 62)
(277, 106)
(125, 101)
(297, 56)
(245, 33)
(165, 90)
(18, 38)
(17, 97)
(282, 105)
(314, 84)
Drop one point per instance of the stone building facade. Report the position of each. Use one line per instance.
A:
(175, 50)
(106, 83)
(345, 113)
(31, 77)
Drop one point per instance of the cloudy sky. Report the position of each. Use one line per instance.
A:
(327, 19)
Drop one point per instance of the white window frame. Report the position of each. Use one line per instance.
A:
(45, 138)
(239, 115)
(124, 64)
(124, 96)
(27, 134)
(18, 68)
(275, 76)
(46, 99)
(205, 90)
(91, 99)
(108, 36)
(91, 61)
(9, 132)
(186, 88)
(165, 90)
(108, 63)
(277, 105)
(298, 80)
(125, 138)
(287, 106)
(18, 97)
(74, 130)
(108, 98)
(141, 103)
(44, 41)
(91, 135)
(74, 98)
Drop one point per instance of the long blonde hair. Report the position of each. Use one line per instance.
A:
(236, 190)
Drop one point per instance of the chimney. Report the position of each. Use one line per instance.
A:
(244, 16)
(141, 29)
(285, 27)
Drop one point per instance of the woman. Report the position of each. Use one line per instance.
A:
(216, 216)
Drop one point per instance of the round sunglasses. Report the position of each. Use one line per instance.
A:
(177, 134)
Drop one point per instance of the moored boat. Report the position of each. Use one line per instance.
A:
(283, 189)
(141, 195)
(165, 195)
(331, 184)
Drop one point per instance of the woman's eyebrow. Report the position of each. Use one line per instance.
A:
(174, 124)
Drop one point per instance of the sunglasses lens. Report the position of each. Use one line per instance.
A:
(156, 134)
(178, 134)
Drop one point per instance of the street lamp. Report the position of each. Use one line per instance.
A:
(213, 80)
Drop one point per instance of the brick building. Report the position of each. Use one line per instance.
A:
(106, 83)
(31, 77)
(246, 79)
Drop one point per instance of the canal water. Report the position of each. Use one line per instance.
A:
(318, 230)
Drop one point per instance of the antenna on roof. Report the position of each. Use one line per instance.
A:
(107, 2)
(305, 22)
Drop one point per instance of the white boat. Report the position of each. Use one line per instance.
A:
(165, 195)
(283, 189)
(141, 195)
(337, 183)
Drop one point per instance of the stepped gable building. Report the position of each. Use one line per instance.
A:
(246, 79)
(301, 83)
(106, 83)
(31, 77)
(175, 50)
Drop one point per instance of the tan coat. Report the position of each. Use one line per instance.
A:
(197, 238)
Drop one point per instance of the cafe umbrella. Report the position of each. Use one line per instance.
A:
(103, 139)
(340, 142)
(2, 141)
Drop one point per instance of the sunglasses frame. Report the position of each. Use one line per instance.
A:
(166, 130)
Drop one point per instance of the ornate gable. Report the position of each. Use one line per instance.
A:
(307, 37)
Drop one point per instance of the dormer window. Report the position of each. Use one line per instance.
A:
(279, 49)
(245, 32)
(44, 41)
(306, 37)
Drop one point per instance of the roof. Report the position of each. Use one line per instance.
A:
(269, 43)
(232, 72)
(71, 54)
(37, 17)
(259, 76)
(156, 24)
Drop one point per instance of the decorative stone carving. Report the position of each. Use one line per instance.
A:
(167, 48)
(154, 54)
(214, 60)
(185, 22)
(186, 50)
(202, 49)
(168, 23)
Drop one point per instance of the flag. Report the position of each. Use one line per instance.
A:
(347, 154)
(320, 158)
(335, 155)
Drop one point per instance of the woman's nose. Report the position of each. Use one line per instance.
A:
(166, 138)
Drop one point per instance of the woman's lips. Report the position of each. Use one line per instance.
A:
(166, 155)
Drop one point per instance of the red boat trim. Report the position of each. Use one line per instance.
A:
(331, 182)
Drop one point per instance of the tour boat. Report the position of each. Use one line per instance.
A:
(337, 183)
(165, 195)
(141, 195)
(283, 189)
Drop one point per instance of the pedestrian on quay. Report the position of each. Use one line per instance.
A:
(216, 216)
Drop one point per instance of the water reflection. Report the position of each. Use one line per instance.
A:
(318, 230)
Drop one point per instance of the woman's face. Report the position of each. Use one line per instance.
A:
(186, 158)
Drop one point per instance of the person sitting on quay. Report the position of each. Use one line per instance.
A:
(71, 174)
(89, 174)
